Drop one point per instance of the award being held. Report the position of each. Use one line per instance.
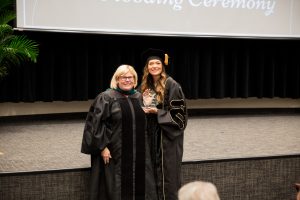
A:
(149, 98)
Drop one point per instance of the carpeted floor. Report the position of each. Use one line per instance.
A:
(37, 145)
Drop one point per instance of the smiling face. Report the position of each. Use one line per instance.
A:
(126, 81)
(155, 67)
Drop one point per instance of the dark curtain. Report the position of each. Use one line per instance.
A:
(77, 66)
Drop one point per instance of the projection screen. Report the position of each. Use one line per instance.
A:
(192, 18)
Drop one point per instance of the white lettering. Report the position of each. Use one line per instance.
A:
(250, 4)
(266, 6)
(238, 3)
(149, 1)
(270, 8)
(194, 3)
(226, 3)
(177, 5)
(208, 3)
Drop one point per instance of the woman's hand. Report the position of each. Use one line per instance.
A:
(105, 153)
(153, 110)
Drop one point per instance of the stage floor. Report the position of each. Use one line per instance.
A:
(38, 145)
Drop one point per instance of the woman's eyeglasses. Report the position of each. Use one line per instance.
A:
(125, 78)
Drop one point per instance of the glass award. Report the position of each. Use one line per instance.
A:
(149, 99)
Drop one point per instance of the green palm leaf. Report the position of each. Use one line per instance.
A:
(6, 16)
(14, 49)
(6, 33)
(24, 48)
(7, 12)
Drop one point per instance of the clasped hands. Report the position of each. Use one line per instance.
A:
(150, 110)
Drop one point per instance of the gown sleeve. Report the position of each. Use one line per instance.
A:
(173, 117)
(97, 132)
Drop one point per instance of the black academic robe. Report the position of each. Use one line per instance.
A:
(166, 130)
(118, 123)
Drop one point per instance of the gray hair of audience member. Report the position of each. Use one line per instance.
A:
(198, 190)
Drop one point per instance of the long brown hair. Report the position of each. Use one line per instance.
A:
(148, 83)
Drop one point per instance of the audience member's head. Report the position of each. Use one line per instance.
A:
(198, 190)
(297, 186)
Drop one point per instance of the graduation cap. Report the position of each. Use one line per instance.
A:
(155, 54)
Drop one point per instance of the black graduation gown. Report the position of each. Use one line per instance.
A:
(118, 122)
(166, 130)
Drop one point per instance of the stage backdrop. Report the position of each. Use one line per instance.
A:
(217, 18)
(76, 66)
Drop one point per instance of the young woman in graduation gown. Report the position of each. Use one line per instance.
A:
(167, 120)
(115, 137)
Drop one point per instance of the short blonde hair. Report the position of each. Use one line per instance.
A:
(198, 190)
(123, 69)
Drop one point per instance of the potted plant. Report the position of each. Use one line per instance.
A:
(14, 49)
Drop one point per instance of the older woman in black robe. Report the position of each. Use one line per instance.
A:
(115, 137)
